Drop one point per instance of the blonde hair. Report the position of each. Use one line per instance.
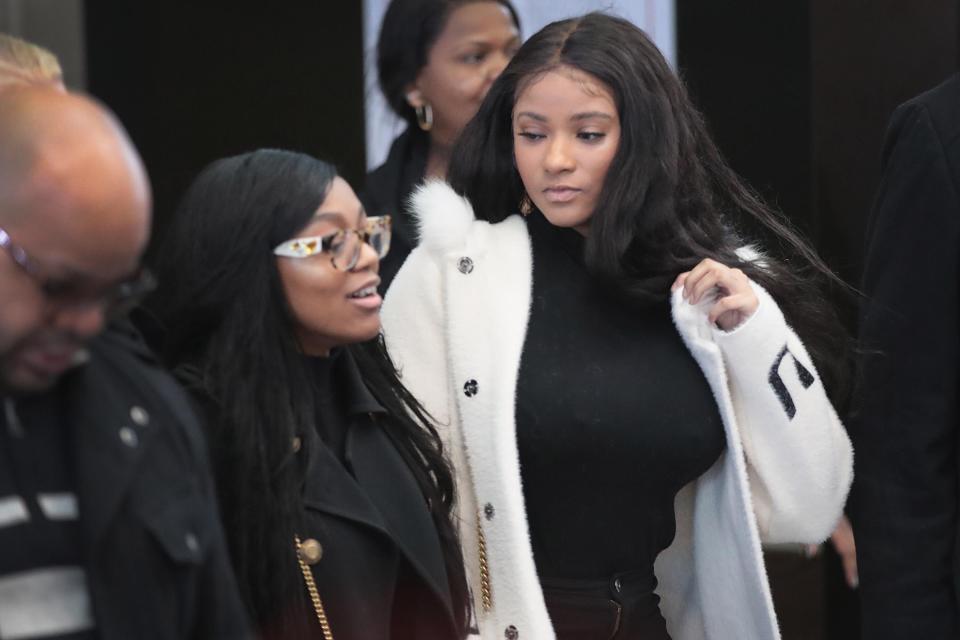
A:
(24, 63)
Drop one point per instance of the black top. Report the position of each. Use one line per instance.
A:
(41, 558)
(387, 191)
(329, 397)
(614, 416)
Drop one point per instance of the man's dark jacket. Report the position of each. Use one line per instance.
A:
(155, 556)
(905, 496)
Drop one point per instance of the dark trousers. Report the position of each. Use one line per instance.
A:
(623, 607)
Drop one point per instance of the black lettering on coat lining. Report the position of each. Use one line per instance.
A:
(780, 389)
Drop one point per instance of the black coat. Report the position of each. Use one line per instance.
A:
(904, 503)
(387, 190)
(154, 550)
(381, 575)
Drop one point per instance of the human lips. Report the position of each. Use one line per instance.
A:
(51, 361)
(367, 296)
(561, 193)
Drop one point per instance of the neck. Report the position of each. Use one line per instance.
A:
(438, 159)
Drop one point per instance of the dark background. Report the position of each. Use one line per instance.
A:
(798, 94)
(194, 82)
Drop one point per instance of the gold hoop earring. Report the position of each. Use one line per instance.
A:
(424, 117)
(526, 206)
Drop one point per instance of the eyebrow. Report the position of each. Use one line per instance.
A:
(532, 116)
(586, 115)
(329, 215)
(490, 43)
(337, 217)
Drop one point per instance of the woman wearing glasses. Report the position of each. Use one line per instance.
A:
(333, 489)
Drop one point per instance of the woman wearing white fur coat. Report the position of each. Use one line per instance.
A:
(629, 412)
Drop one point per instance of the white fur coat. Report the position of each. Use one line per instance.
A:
(455, 320)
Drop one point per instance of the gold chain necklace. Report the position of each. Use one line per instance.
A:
(486, 594)
(312, 590)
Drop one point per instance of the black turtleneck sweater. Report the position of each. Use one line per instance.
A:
(330, 400)
(614, 416)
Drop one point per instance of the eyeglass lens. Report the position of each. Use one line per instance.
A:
(346, 251)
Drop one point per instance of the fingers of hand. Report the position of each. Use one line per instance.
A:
(846, 546)
(710, 273)
(850, 570)
(699, 279)
(739, 304)
(679, 281)
(695, 275)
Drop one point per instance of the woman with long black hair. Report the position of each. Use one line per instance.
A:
(636, 396)
(333, 488)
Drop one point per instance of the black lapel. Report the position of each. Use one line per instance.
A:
(387, 481)
(381, 491)
(330, 488)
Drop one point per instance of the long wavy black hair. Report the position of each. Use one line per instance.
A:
(225, 327)
(669, 199)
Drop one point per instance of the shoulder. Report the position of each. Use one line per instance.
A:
(942, 102)
(444, 218)
(934, 113)
(121, 360)
(446, 221)
(407, 158)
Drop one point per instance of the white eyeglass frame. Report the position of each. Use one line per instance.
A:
(308, 246)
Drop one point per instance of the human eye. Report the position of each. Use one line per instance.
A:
(59, 289)
(591, 136)
(531, 135)
(334, 242)
(473, 57)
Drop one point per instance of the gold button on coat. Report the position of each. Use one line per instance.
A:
(310, 551)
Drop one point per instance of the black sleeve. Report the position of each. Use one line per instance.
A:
(221, 614)
(221, 611)
(904, 500)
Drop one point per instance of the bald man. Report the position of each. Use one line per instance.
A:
(108, 524)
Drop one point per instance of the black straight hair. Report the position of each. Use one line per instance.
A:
(224, 326)
(409, 30)
(669, 198)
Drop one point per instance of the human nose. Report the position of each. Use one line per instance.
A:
(369, 260)
(558, 158)
(498, 62)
